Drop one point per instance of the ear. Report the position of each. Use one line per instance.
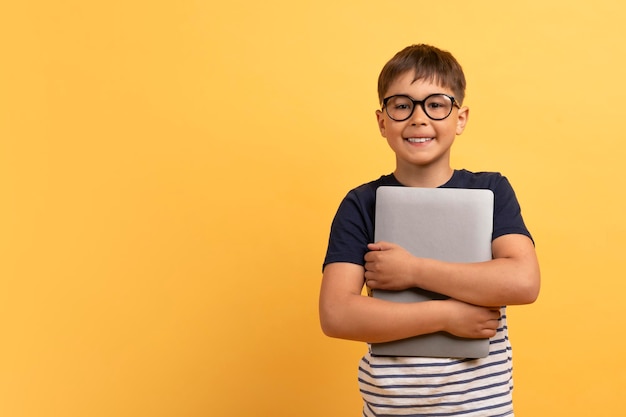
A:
(380, 118)
(461, 120)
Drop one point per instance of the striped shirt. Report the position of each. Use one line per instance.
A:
(411, 386)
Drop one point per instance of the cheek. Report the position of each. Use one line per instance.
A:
(392, 130)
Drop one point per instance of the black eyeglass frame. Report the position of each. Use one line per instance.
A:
(421, 104)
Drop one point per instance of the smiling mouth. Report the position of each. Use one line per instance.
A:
(419, 140)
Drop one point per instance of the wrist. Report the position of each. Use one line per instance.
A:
(444, 316)
(416, 272)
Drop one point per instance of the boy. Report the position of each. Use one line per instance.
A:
(421, 91)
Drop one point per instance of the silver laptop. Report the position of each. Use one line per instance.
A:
(448, 224)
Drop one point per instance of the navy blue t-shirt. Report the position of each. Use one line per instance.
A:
(353, 226)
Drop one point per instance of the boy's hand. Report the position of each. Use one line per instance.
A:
(389, 267)
(468, 320)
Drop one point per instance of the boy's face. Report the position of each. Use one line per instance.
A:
(420, 141)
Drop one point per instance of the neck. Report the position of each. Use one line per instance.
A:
(423, 176)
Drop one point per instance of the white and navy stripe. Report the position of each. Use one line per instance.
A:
(420, 387)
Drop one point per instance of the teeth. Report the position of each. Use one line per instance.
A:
(419, 140)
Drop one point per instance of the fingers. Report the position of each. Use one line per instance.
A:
(378, 246)
(371, 265)
(495, 311)
(381, 245)
(369, 280)
(473, 321)
(375, 249)
(491, 326)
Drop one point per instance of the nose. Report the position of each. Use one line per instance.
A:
(419, 116)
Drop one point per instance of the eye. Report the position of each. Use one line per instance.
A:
(440, 102)
(400, 103)
(436, 104)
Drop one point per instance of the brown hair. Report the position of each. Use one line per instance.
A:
(428, 63)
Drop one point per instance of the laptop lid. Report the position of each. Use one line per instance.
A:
(448, 224)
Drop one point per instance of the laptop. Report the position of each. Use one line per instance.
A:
(448, 224)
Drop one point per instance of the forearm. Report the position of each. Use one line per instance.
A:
(493, 283)
(512, 277)
(367, 319)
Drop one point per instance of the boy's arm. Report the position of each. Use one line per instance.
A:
(346, 313)
(512, 277)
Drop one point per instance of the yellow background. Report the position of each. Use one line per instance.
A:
(169, 171)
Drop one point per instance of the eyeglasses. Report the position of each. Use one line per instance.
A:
(435, 106)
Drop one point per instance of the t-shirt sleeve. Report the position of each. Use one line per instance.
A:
(507, 216)
(351, 231)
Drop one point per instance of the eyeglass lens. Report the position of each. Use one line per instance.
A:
(437, 107)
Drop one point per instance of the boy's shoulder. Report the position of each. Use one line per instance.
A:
(463, 178)
(366, 193)
(383, 180)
